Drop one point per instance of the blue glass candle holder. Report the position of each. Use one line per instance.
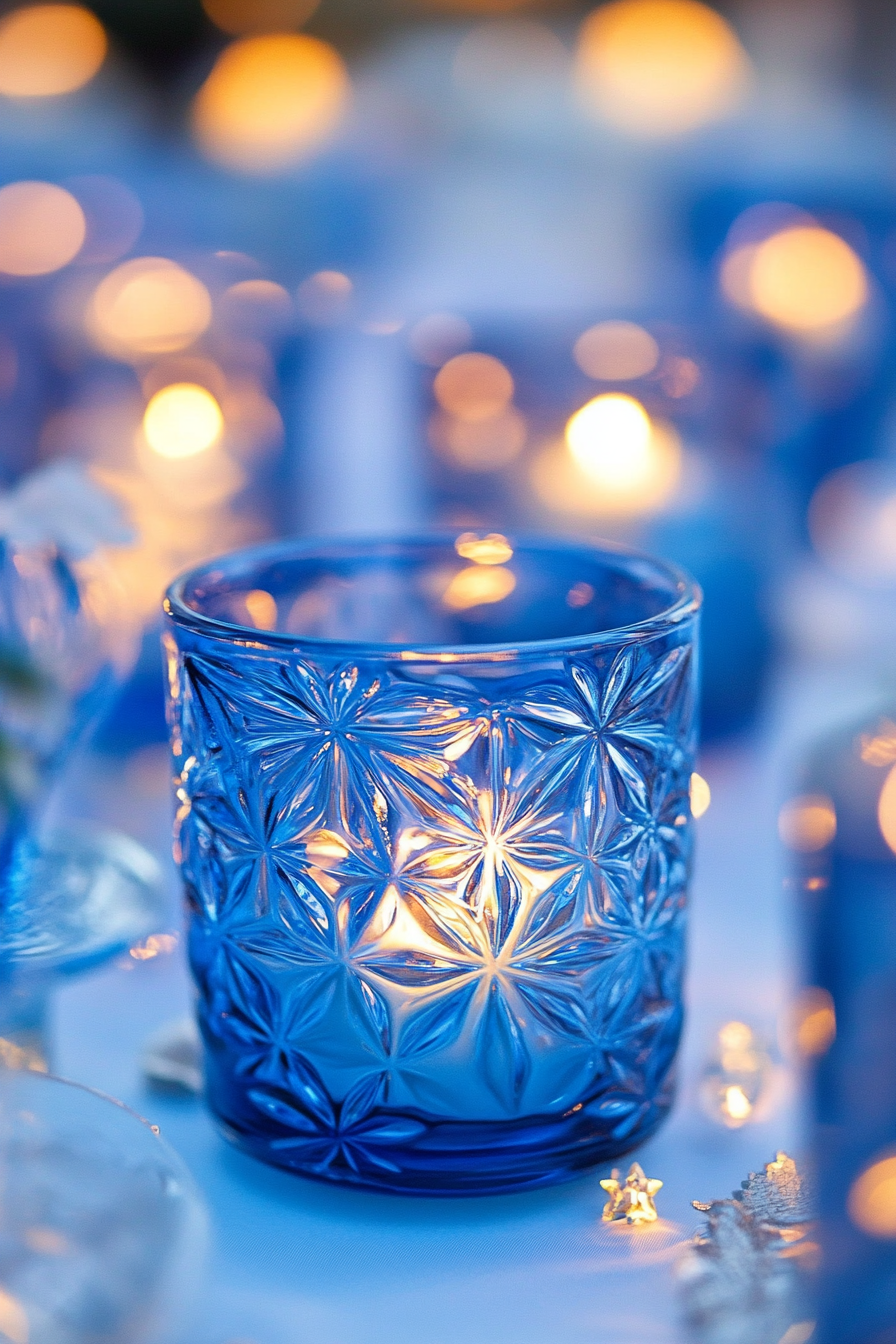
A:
(434, 829)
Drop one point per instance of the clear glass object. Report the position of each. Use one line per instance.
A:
(102, 1234)
(434, 830)
(70, 897)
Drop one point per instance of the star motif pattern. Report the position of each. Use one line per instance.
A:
(417, 899)
(633, 1199)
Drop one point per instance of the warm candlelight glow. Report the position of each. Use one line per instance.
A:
(478, 586)
(609, 438)
(493, 549)
(659, 68)
(872, 1200)
(42, 228)
(182, 420)
(807, 823)
(807, 280)
(148, 306)
(47, 50)
(815, 1022)
(270, 102)
(473, 387)
(262, 609)
(632, 1200)
(700, 795)
(616, 351)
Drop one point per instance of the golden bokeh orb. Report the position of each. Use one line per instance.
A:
(42, 228)
(806, 279)
(807, 823)
(616, 351)
(270, 101)
(48, 50)
(148, 306)
(473, 387)
(182, 420)
(872, 1199)
(659, 68)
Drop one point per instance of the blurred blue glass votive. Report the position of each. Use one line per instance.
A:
(434, 828)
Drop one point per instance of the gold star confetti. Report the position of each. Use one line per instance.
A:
(632, 1201)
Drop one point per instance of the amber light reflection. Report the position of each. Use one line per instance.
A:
(42, 228)
(658, 68)
(47, 50)
(270, 101)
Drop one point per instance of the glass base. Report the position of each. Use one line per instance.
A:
(78, 897)
(408, 1153)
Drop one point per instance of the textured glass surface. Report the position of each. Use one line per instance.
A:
(436, 894)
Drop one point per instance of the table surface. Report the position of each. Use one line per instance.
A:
(292, 1260)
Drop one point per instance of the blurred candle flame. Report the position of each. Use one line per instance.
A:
(270, 102)
(48, 50)
(659, 68)
(182, 420)
(42, 228)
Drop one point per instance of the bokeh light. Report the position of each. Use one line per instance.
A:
(473, 387)
(42, 228)
(804, 279)
(182, 420)
(479, 445)
(258, 16)
(616, 351)
(872, 1199)
(47, 50)
(807, 823)
(148, 306)
(814, 1022)
(270, 101)
(609, 438)
(659, 68)
(701, 796)
(886, 810)
(626, 475)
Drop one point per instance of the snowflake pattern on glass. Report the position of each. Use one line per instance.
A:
(436, 922)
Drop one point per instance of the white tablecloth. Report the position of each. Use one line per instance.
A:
(294, 1261)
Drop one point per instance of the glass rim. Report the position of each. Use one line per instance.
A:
(687, 603)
